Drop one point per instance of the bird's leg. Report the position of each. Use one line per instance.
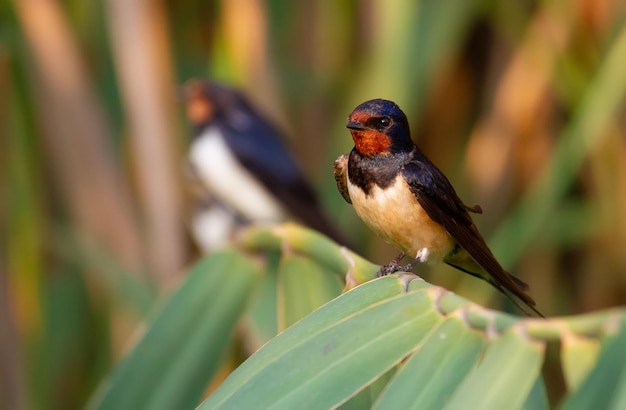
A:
(421, 257)
(391, 267)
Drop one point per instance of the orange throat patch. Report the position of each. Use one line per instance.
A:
(371, 142)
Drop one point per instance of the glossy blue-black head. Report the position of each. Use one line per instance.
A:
(379, 127)
(207, 102)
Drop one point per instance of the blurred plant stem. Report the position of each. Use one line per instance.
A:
(590, 121)
(75, 133)
(249, 55)
(12, 377)
(494, 157)
(141, 49)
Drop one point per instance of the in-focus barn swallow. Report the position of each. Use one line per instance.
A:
(240, 159)
(403, 197)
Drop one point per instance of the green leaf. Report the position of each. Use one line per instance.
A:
(604, 386)
(365, 398)
(505, 376)
(303, 286)
(430, 376)
(186, 341)
(619, 400)
(260, 321)
(311, 244)
(538, 398)
(327, 357)
(578, 355)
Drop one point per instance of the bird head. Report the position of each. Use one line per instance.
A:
(207, 102)
(379, 127)
(199, 105)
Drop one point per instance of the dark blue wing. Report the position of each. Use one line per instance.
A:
(440, 201)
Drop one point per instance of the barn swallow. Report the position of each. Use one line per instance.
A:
(404, 198)
(240, 159)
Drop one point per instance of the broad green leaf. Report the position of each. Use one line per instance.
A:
(538, 397)
(578, 355)
(325, 358)
(365, 398)
(604, 385)
(186, 341)
(439, 365)
(505, 376)
(303, 286)
(348, 304)
(619, 400)
(260, 321)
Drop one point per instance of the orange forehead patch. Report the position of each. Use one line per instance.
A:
(360, 117)
(370, 142)
(199, 109)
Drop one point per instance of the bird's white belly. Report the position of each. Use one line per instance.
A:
(213, 227)
(226, 178)
(395, 214)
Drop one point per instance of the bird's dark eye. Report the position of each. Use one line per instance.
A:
(383, 122)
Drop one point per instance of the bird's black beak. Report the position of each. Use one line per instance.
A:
(353, 125)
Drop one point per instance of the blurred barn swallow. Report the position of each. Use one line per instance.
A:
(239, 157)
(410, 203)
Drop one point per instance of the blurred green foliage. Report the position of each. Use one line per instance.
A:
(520, 103)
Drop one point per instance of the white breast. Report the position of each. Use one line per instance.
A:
(213, 227)
(226, 178)
(395, 214)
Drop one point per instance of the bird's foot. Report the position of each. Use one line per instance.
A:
(408, 267)
(388, 269)
(391, 267)
(394, 266)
